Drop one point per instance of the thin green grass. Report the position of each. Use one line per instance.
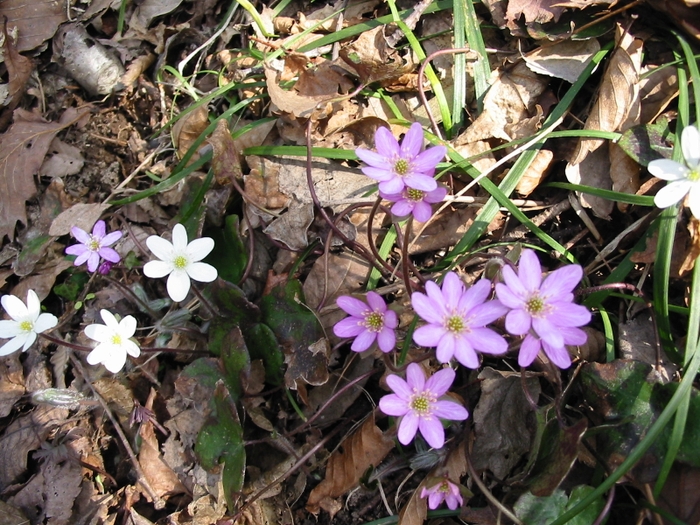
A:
(481, 66)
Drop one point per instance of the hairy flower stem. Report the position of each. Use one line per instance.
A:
(135, 298)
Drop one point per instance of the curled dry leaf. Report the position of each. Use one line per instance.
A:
(566, 59)
(33, 30)
(188, 128)
(535, 172)
(368, 446)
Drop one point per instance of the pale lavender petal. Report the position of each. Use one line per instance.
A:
(507, 297)
(179, 238)
(76, 249)
(99, 229)
(14, 307)
(440, 382)
(393, 185)
(690, 145)
(487, 313)
(446, 347)
(391, 320)
(348, 327)
(408, 426)
(453, 501)
(412, 142)
(45, 322)
(9, 329)
(403, 208)
(385, 143)
(452, 289)
(557, 355)
(178, 285)
(393, 405)
(513, 283)
(110, 239)
(435, 499)
(157, 269)
(13, 345)
(573, 336)
(529, 270)
(426, 161)
(80, 235)
(422, 211)
(93, 261)
(391, 197)
(562, 281)
(386, 339)
(415, 377)
(568, 314)
(465, 354)
(667, 169)
(426, 308)
(202, 272)
(109, 254)
(475, 296)
(487, 341)
(518, 322)
(672, 193)
(450, 410)
(399, 386)
(429, 335)
(379, 174)
(548, 332)
(529, 349)
(437, 195)
(435, 294)
(363, 341)
(160, 247)
(694, 199)
(198, 249)
(418, 181)
(352, 306)
(83, 257)
(376, 302)
(376, 160)
(432, 431)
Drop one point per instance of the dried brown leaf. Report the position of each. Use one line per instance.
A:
(535, 172)
(416, 509)
(18, 68)
(22, 150)
(373, 59)
(368, 446)
(318, 88)
(11, 383)
(566, 59)
(63, 159)
(681, 493)
(189, 128)
(82, 215)
(693, 251)
(624, 173)
(538, 11)
(35, 22)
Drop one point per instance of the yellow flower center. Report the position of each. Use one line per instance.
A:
(444, 487)
(414, 195)
(694, 175)
(401, 167)
(26, 326)
(180, 262)
(420, 404)
(374, 321)
(93, 244)
(117, 339)
(454, 324)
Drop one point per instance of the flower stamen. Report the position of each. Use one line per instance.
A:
(401, 167)
(374, 321)
(26, 326)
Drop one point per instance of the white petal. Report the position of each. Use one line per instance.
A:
(98, 354)
(127, 327)
(694, 200)
(202, 272)
(14, 307)
(667, 169)
(45, 322)
(9, 329)
(178, 285)
(160, 247)
(99, 333)
(28, 340)
(157, 269)
(671, 193)
(179, 238)
(200, 248)
(33, 305)
(115, 361)
(13, 345)
(109, 319)
(690, 145)
(131, 348)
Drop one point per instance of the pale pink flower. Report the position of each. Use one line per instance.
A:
(445, 491)
(420, 404)
(457, 320)
(415, 202)
(367, 322)
(543, 310)
(398, 166)
(94, 246)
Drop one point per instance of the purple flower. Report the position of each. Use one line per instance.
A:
(94, 246)
(417, 402)
(396, 167)
(415, 202)
(367, 322)
(443, 490)
(457, 320)
(543, 310)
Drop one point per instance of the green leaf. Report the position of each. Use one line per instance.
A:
(231, 302)
(221, 441)
(647, 142)
(226, 341)
(262, 344)
(542, 511)
(70, 288)
(229, 254)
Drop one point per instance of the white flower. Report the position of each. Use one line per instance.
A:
(181, 261)
(114, 338)
(27, 321)
(684, 178)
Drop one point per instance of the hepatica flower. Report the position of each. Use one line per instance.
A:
(94, 246)
(420, 406)
(27, 321)
(114, 338)
(457, 320)
(367, 322)
(543, 310)
(180, 260)
(445, 491)
(684, 179)
(398, 166)
(415, 202)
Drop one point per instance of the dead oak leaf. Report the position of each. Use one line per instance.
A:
(22, 150)
(18, 68)
(35, 22)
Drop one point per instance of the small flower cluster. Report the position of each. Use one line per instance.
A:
(179, 260)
